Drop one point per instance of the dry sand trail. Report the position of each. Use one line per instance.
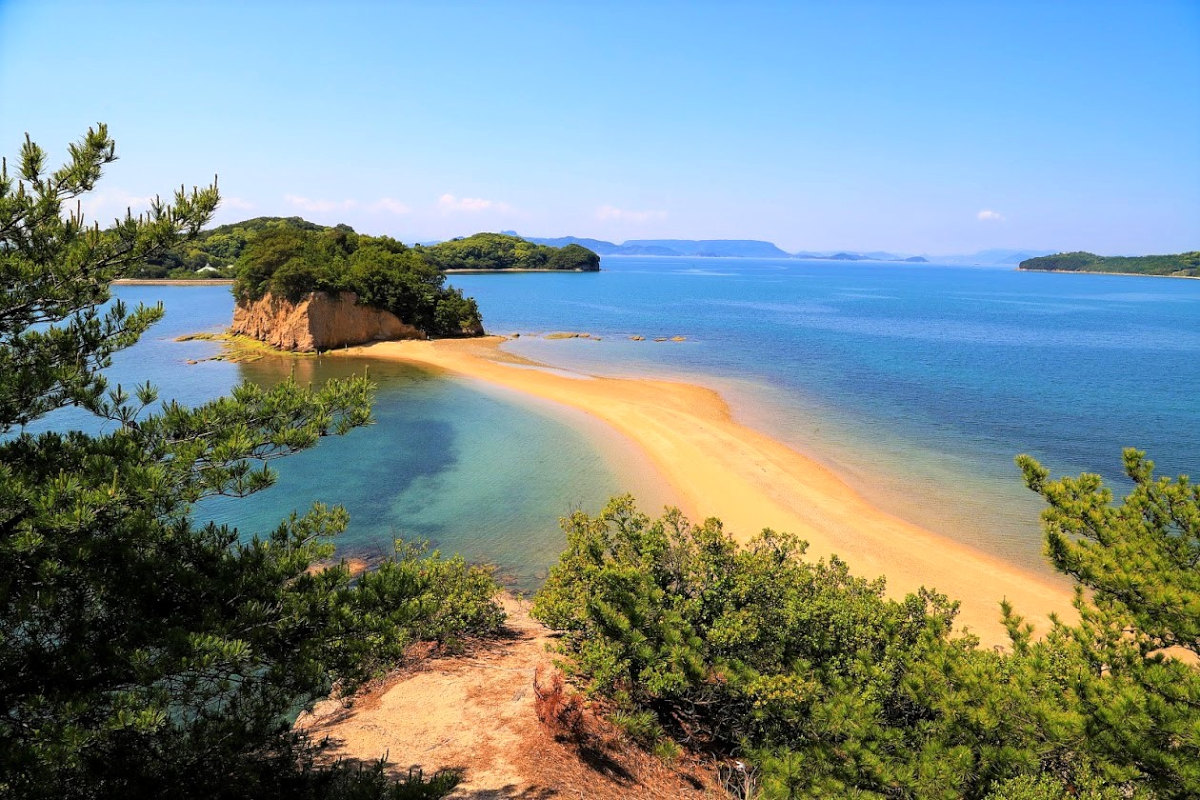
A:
(475, 713)
(719, 467)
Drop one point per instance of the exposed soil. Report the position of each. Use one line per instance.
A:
(475, 713)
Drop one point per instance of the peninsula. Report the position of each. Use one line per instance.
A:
(1183, 265)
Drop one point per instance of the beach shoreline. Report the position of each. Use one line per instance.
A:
(719, 467)
(172, 282)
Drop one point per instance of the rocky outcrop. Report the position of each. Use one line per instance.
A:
(318, 321)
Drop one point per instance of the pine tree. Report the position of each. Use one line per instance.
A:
(144, 654)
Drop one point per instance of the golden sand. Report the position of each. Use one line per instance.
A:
(718, 467)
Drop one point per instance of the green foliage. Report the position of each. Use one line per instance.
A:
(489, 251)
(221, 247)
(290, 261)
(409, 598)
(641, 726)
(1138, 559)
(831, 689)
(1181, 265)
(218, 248)
(143, 653)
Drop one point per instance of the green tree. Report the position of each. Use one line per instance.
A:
(143, 653)
(290, 260)
(829, 689)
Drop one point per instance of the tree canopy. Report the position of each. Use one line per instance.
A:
(827, 688)
(493, 251)
(1182, 265)
(144, 653)
(219, 249)
(291, 261)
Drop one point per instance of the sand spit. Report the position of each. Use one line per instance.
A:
(719, 467)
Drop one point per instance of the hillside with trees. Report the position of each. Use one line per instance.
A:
(1183, 265)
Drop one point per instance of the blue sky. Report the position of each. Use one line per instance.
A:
(913, 127)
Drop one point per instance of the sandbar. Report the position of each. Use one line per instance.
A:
(718, 467)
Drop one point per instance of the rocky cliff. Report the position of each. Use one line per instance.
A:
(318, 321)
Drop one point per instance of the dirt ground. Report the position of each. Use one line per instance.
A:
(475, 713)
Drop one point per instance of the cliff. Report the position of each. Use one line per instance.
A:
(318, 321)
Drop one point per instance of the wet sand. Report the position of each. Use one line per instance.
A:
(719, 467)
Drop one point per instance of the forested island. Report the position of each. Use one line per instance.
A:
(214, 253)
(303, 286)
(485, 252)
(283, 263)
(1183, 265)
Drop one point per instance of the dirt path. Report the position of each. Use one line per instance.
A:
(475, 713)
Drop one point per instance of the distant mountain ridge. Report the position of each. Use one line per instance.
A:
(755, 248)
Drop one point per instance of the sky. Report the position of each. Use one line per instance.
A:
(915, 127)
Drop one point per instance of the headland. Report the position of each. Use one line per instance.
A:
(718, 467)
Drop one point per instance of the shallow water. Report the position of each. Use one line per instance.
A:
(917, 383)
(466, 467)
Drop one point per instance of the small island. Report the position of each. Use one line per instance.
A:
(1184, 265)
(304, 287)
(491, 252)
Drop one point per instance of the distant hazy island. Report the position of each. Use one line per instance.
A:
(755, 248)
(1184, 265)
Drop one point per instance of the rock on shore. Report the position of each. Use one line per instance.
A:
(318, 321)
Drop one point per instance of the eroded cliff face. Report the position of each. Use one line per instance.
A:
(318, 321)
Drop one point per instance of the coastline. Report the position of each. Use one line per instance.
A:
(718, 467)
(1098, 272)
(514, 269)
(172, 282)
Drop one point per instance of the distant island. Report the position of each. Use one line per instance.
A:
(755, 248)
(501, 251)
(1183, 265)
(306, 287)
(215, 252)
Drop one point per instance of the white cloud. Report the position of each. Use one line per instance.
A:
(309, 204)
(103, 206)
(449, 202)
(236, 203)
(625, 215)
(987, 215)
(390, 205)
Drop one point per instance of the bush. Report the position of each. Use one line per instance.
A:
(830, 689)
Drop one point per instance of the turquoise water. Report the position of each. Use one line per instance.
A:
(453, 462)
(918, 383)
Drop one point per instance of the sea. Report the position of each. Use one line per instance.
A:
(917, 383)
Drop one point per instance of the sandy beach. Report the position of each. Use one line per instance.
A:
(719, 467)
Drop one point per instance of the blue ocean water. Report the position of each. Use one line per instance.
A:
(917, 383)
